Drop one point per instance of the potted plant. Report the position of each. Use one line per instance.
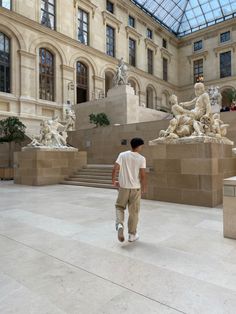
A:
(12, 130)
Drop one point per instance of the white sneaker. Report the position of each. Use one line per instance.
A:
(133, 237)
(120, 229)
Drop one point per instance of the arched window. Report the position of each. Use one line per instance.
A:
(149, 98)
(82, 82)
(5, 84)
(108, 81)
(46, 75)
(133, 84)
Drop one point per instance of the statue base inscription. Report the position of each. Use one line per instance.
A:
(45, 166)
(190, 174)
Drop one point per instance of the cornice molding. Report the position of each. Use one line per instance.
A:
(166, 54)
(150, 44)
(26, 54)
(132, 31)
(67, 68)
(107, 16)
(223, 48)
(98, 78)
(86, 3)
(196, 56)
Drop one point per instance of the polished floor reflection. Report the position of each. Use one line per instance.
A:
(59, 254)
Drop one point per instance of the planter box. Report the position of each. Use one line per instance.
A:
(6, 173)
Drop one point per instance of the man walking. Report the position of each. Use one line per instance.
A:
(132, 182)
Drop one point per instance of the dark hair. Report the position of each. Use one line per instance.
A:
(135, 142)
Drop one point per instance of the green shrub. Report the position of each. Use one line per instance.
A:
(99, 119)
(11, 130)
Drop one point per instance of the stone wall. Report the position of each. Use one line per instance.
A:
(42, 167)
(103, 144)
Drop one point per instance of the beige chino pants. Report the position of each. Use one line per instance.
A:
(130, 197)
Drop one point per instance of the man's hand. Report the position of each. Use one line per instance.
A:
(116, 183)
(115, 170)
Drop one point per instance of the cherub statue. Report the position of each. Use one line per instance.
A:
(219, 128)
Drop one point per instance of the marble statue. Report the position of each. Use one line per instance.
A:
(69, 120)
(215, 98)
(120, 77)
(198, 124)
(52, 135)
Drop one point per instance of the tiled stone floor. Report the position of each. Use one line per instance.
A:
(59, 254)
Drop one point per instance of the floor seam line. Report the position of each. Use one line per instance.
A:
(91, 273)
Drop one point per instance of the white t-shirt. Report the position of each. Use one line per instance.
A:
(130, 164)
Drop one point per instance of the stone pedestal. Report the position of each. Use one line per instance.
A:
(121, 107)
(229, 210)
(190, 173)
(46, 166)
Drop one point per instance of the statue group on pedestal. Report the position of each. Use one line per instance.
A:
(53, 134)
(121, 76)
(190, 125)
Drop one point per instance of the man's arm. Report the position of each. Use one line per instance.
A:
(207, 103)
(188, 103)
(143, 180)
(115, 171)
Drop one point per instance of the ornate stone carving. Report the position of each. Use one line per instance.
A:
(52, 135)
(121, 76)
(215, 98)
(194, 125)
(69, 120)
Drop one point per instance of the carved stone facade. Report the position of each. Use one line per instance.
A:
(22, 25)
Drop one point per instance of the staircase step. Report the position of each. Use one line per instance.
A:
(89, 180)
(91, 176)
(94, 185)
(93, 166)
(86, 170)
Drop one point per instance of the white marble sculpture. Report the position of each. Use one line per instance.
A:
(52, 135)
(70, 120)
(121, 76)
(215, 98)
(194, 125)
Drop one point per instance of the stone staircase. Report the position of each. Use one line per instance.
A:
(98, 176)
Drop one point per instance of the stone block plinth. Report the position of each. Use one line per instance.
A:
(44, 167)
(229, 208)
(190, 173)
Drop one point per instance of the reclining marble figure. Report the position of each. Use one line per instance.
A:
(194, 125)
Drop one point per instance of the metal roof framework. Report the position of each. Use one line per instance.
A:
(183, 17)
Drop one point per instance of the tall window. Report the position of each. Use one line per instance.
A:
(110, 6)
(164, 43)
(5, 4)
(82, 82)
(225, 37)
(46, 75)
(110, 41)
(149, 98)
(4, 63)
(225, 64)
(83, 27)
(149, 33)
(150, 61)
(198, 70)
(48, 13)
(131, 21)
(132, 52)
(197, 45)
(165, 69)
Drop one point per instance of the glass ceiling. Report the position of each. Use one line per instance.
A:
(183, 17)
